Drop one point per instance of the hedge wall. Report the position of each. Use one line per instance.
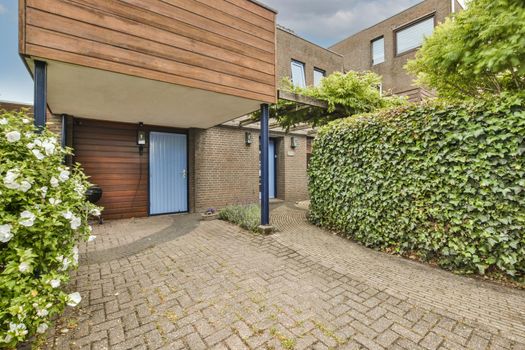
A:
(443, 182)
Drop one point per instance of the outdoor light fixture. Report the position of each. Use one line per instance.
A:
(141, 137)
(294, 142)
(248, 139)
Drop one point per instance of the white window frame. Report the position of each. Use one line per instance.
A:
(298, 65)
(323, 75)
(380, 59)
(421, 23)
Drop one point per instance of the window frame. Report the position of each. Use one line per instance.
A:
(408, 25)
(303, 65)
(372, 50)
(319, 70)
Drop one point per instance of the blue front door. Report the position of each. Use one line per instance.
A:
(168, 175)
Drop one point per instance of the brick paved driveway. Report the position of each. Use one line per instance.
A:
(200, 285)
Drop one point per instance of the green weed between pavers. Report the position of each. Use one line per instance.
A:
(445, 183)
(287, 343)
(246, 216)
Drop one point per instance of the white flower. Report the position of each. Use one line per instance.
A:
(9, 179)
(73, 299)
(54, 201)
(28, 218)
(3, 121)
(23, 267)
(75, 222)
(54, 182)
(95, 212)
(12, 136)
(42, 328)
(54, 283)
(12, 185)
(17, 329)
(30, 145)
(42, 312)
(25, 186)
(25, 121)
(49, 147)
(75, 254)
(64, 175)
(67, 215)
(92, 238)
(38, 154)
(65, 264)
(43, 189)
(8, 338)
(5, 233)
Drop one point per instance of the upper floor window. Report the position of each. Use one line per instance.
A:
(298, 76)
(319, 74)
(411, 36)
(378, 50)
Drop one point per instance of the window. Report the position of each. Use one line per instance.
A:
(411, 37)
(378, 50)
(298, 77)
(319, 74)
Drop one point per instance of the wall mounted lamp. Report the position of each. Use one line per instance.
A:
(294, 142)
(248, 138)
(141, 137)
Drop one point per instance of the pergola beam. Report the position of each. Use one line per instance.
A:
(304, 100)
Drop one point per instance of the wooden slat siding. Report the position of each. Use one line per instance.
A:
(184, 42)
(260, 29)
(39, 19)
(134, 16)
(40, 51)
(115, 168)
(254, 8)
(64, 42)
(238, 12)
(202, 22)
(21, 26)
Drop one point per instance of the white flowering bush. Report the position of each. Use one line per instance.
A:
(43, 214)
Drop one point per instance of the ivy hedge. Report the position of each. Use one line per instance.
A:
(445, 183)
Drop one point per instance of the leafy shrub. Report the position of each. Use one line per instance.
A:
(246, 216)
(443, 182)
(43, 212)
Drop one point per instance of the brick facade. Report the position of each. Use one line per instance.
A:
(224, 170)
(357, 52)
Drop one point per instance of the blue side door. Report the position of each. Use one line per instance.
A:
(168, 175)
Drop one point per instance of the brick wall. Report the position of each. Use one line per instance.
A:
(292, 47)
(357, 50)
(296, 178)
(226, 171)
(54, 122)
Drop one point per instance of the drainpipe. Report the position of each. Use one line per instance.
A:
(40, 104)
(453, 6)
(265, 180)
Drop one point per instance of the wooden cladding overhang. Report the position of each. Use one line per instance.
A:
(179, 63)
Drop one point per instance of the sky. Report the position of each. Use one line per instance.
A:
(323, 22)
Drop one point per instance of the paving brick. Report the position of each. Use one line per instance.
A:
(218, 286)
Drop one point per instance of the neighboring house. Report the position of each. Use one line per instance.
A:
(105, 88)
(385, 47)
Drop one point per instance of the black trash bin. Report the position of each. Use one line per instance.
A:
(93, 195)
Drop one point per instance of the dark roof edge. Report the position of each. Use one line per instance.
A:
(308, 41)
(264, 6)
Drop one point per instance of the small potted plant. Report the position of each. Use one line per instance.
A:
(210, 214)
